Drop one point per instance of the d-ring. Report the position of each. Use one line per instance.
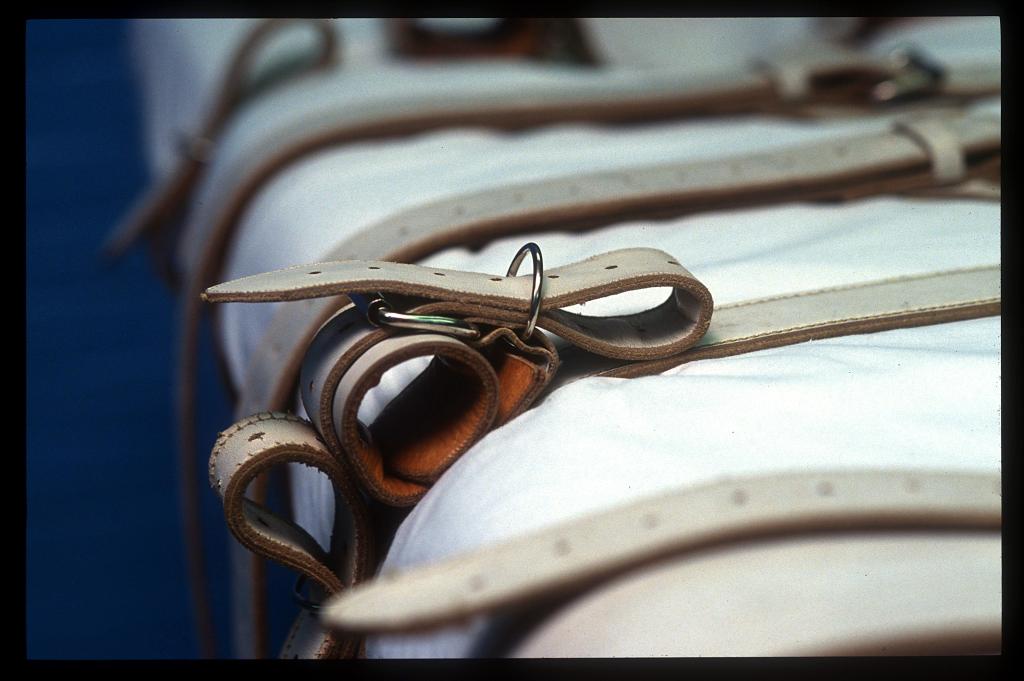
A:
(538, 278)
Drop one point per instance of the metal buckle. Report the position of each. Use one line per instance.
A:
(915, 75)
(379, 313)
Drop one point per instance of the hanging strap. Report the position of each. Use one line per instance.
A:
(252, 446)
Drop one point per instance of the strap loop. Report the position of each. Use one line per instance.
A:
(941, 143)
(661, 331)
(254, 445)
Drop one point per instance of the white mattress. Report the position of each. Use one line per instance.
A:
(927, 397)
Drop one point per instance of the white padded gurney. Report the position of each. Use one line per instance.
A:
(925, 397)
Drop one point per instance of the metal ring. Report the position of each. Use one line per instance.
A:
(301, 600)
(379, 313)
(538, 279)
(424, 322)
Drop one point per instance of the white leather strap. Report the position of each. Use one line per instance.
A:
(576, 554)
(948, 164)
(250, 448)
(596, 199)
(879, 592)
(661, 331)
(867, 307)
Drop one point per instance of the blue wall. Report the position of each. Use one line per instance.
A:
(105, 571)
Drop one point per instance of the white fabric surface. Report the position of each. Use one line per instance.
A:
(182, 61)
(697, 44)
(926, 397)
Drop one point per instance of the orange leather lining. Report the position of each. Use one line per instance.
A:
(438, 414)
(423, 430)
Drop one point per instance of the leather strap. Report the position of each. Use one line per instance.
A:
(334, 383)
(582, 201)
(810, 171)
(764, 177)
(669, 328)
(349, 355)
(880, 592)
(576, 554)
(249, 448)
(156, 210)
(463, 394)
(866, 307)
(639, 344)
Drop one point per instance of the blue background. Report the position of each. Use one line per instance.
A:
(105, 572)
